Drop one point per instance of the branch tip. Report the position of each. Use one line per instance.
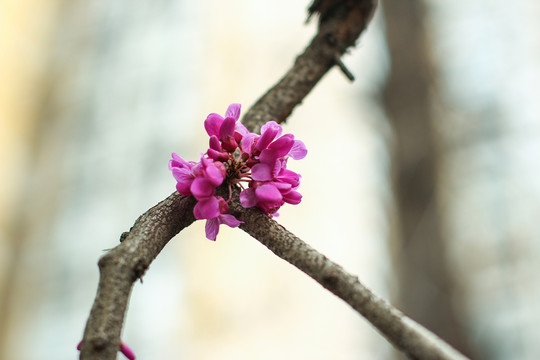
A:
(348, 74)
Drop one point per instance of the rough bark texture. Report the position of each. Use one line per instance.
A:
(122, 266)
(404, 333)
(340, 25)
(426, 290)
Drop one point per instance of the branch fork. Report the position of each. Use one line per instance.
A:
(345, 20)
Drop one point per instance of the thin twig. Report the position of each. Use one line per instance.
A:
(120, 268)
(126, 263)
(348, 74)
(341, 24)
(404, 333)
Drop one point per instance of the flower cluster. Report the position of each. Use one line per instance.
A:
(237, 157)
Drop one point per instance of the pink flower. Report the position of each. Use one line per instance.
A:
(124, 349)
(212, 224)
(200, 180)
(207, 208)
(269, 132)
(256, 163)
(208, 175)
(216, 151)
(269, 196)
(298, 150)
(183, 173)
(282, 146)
(228, 130)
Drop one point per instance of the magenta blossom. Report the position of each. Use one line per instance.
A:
(227, 130)
(124, 349)
(256, 163)
(212, 225)
(183, 173)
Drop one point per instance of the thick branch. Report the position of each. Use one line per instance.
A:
(126, 263)
(339, 28)
(404, 333)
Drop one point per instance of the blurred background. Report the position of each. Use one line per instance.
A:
(422, 176)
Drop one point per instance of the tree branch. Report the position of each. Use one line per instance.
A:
(126, 263)
(404, 333)
(341, 22)
(339, 27)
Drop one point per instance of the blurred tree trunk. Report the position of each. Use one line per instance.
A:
(426, 290)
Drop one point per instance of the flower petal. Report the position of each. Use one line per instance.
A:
(229, 220)
(184, 179)
(233, 111)
(273, 125)
(216, 155)
(298, 151)
(266, 138)
(268, 156)
(227, 135)
(282, 187)
(183, 188)
(292, 197)
(247, 142)
(261, 172)
(178, 162)
(268, 193)
(213, 123)
(214, 175)
(279, 165)
(212, 229)
(182, 175)
(241, 129)
(202, 188)
(227, 128)
(289, 176)
(124, 349)
(248, 198)
(206, 208)
(214, 143)
(283, 145)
